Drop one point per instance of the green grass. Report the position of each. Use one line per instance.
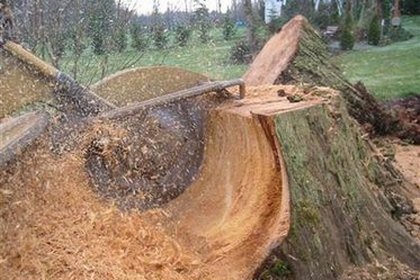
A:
(389, 72)
(211, 59)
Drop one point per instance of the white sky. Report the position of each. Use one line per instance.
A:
(146, 6)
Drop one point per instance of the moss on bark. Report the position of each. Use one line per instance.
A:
(341, 213)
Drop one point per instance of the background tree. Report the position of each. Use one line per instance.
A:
(140, 39)
(229, 28)
(374, 31)
(121, 40)
(78, 40)
(252, 26)
(411, 7)
(120, 26)
(182, 34)
(347, 38)
(201, 19)
(101, 19)
(159, 34)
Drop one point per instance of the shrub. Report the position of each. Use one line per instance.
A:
(281, 269)
(121, 40)
(411, 7)
(160, 38)
(228, 27)
(240, 53)
(139, 36)
(398, 34)
(374, 31)
(182, 35)
(347, 37)
(202, 20)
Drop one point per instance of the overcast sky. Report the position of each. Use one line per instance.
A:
(146, 6)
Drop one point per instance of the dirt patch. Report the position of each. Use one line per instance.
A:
(407, 159)
(407, 109)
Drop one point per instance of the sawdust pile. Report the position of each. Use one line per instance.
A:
(146, 160)
(54, 226)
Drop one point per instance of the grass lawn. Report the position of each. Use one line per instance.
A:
(389, 72)
(211, 59)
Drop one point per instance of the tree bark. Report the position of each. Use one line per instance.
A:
(345, 200)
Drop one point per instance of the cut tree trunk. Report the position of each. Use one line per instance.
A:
(298, 55)
(346, 200)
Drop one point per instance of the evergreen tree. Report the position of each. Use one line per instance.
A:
(228, 26)
(347, 35)
(182, 35)
(121, 40)
(139, 37)
(202, 20)
(159, 34)
(374, 31)
(103, 14)
(386, 7)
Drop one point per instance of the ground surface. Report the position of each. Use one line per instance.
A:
(388, 72)
(210, 59)
(407, 160)
(407, 109)
(389, 269)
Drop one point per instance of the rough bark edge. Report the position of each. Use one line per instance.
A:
(341, 215)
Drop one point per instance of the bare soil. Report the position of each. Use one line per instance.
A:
(407, 109)
(407, 159)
